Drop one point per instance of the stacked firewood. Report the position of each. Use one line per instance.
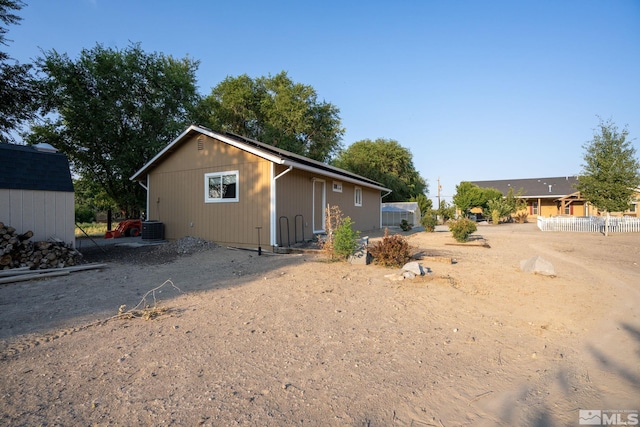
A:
(16, 250)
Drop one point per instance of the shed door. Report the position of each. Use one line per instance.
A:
(319, 200)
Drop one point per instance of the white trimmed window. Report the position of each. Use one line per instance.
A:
(221, 187)
(357, 196)
(337, 187)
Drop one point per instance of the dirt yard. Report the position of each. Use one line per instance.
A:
(296, 340)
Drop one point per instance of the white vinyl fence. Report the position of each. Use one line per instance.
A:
(589, 224)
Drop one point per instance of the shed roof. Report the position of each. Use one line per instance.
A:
(534, 187)
(266, 151)
(27, 168)
(400, 207)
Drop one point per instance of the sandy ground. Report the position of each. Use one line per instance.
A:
(296, 340)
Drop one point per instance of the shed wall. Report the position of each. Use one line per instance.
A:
(47, 213)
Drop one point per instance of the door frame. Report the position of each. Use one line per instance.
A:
(318, 212)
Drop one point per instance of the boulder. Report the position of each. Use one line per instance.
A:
(537, 265)
(414, 267)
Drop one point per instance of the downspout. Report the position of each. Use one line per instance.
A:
(146, 188)
(382, 197)
(273, 202)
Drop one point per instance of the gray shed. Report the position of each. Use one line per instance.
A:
(394, 213)
(36, 192)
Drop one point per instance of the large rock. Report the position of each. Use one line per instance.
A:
(537, 265)
(414, 267)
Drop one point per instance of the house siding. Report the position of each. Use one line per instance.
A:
(294, 202)
(176, 194)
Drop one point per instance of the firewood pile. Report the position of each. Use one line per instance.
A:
(17, 251)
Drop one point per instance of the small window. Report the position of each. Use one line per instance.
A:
(633, 208)
(568, 209)
(357, 196)
(533, 207)
(221, 187)
(337, 187)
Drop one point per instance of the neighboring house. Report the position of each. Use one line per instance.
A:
(544, 196)
(551, 196)
(36, 192)
(230, 190)
(394, 212)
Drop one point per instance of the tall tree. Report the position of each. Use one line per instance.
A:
(18, 94)
(387, 162)
(113, 110)
(276, 111)
(610, 172)
(468, 196)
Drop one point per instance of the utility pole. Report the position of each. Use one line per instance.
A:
(439, 188)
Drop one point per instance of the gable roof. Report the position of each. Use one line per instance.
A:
(265, 151)
(534, 187)
(28, 168)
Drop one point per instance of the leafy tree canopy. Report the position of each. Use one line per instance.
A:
(469, 196)
(18, 96)
(611, 171)
(425, 204)
(112, 110)
(387, 162)
(276, 111)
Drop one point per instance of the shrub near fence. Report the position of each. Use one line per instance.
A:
(589, 224)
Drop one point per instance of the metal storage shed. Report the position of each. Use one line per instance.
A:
(394, 213)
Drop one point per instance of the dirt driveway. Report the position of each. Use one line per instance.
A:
(295, 340)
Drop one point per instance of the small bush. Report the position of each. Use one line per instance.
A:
(521, 217)
(462, 228)
(405, 226)
(84, 214)
(429, 222)
(495, 217)
(345, 239)
(391, 251)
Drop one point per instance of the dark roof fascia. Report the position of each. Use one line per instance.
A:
(296, 158)
(263, 150)
(26, 168)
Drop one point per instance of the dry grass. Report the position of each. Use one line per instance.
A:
(144, 310)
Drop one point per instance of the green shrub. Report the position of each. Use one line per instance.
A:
(462, 228)
(391, 251)
(345, 239)
(405, 226)
(84, 214)
(429, 222)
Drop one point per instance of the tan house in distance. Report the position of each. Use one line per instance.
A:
(552, 196)
(233, 190)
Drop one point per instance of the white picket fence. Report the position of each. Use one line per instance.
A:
(589, 224)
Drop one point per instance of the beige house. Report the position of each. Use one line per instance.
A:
(238, 191)
(554, 196)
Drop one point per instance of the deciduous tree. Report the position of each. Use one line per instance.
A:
(387, 162)
(18, 95)
(276, 111)
(610, 172)
(113, 110)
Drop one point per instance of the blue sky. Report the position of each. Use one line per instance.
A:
(476, 90)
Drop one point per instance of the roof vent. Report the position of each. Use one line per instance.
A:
(45, 147)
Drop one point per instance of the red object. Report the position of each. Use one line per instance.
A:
(128, 228)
